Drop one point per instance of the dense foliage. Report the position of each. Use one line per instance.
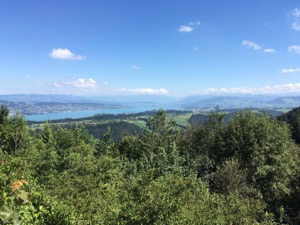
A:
(293, 119)
(244, 171)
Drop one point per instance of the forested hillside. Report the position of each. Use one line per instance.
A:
(242, 171)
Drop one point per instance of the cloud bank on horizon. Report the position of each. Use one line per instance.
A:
(91, 86)
(141, 91)
(79, 83)
(277, 89)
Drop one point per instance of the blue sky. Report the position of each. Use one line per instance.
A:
(159, 47)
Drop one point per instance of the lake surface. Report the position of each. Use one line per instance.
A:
(86, 113)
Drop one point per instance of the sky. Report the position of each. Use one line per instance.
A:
(159, 47)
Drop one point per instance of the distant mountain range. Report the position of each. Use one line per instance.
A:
(190, 102)
(44, 98)
(256, 101)
(147, 99)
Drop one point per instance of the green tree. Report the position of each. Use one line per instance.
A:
(106, 145)
(266, 157)
(90, 185)
(47, 135)
(4, 111)
(201, 144)
(265, 152)
(174, 199)
(230, 178)
(158, 145)
(293, 119)
(23, 201)
(14, 134)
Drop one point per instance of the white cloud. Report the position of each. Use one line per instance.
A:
(255, 46)
(185, 29)
(134, 67)
(294, 49)
(85, 83)
(79, 83)
(296, 25)
(278, 89)
(251, 44)
(59, 53)
(270, 50)
(291, 70)
(59, 84)
(194, 23)
(296, 12)
(189, 28)
(149, 91)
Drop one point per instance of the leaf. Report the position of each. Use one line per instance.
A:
(23, 197)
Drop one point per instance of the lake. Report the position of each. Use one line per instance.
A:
(86, 113)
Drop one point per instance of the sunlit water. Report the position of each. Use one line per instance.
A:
(86, 113)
